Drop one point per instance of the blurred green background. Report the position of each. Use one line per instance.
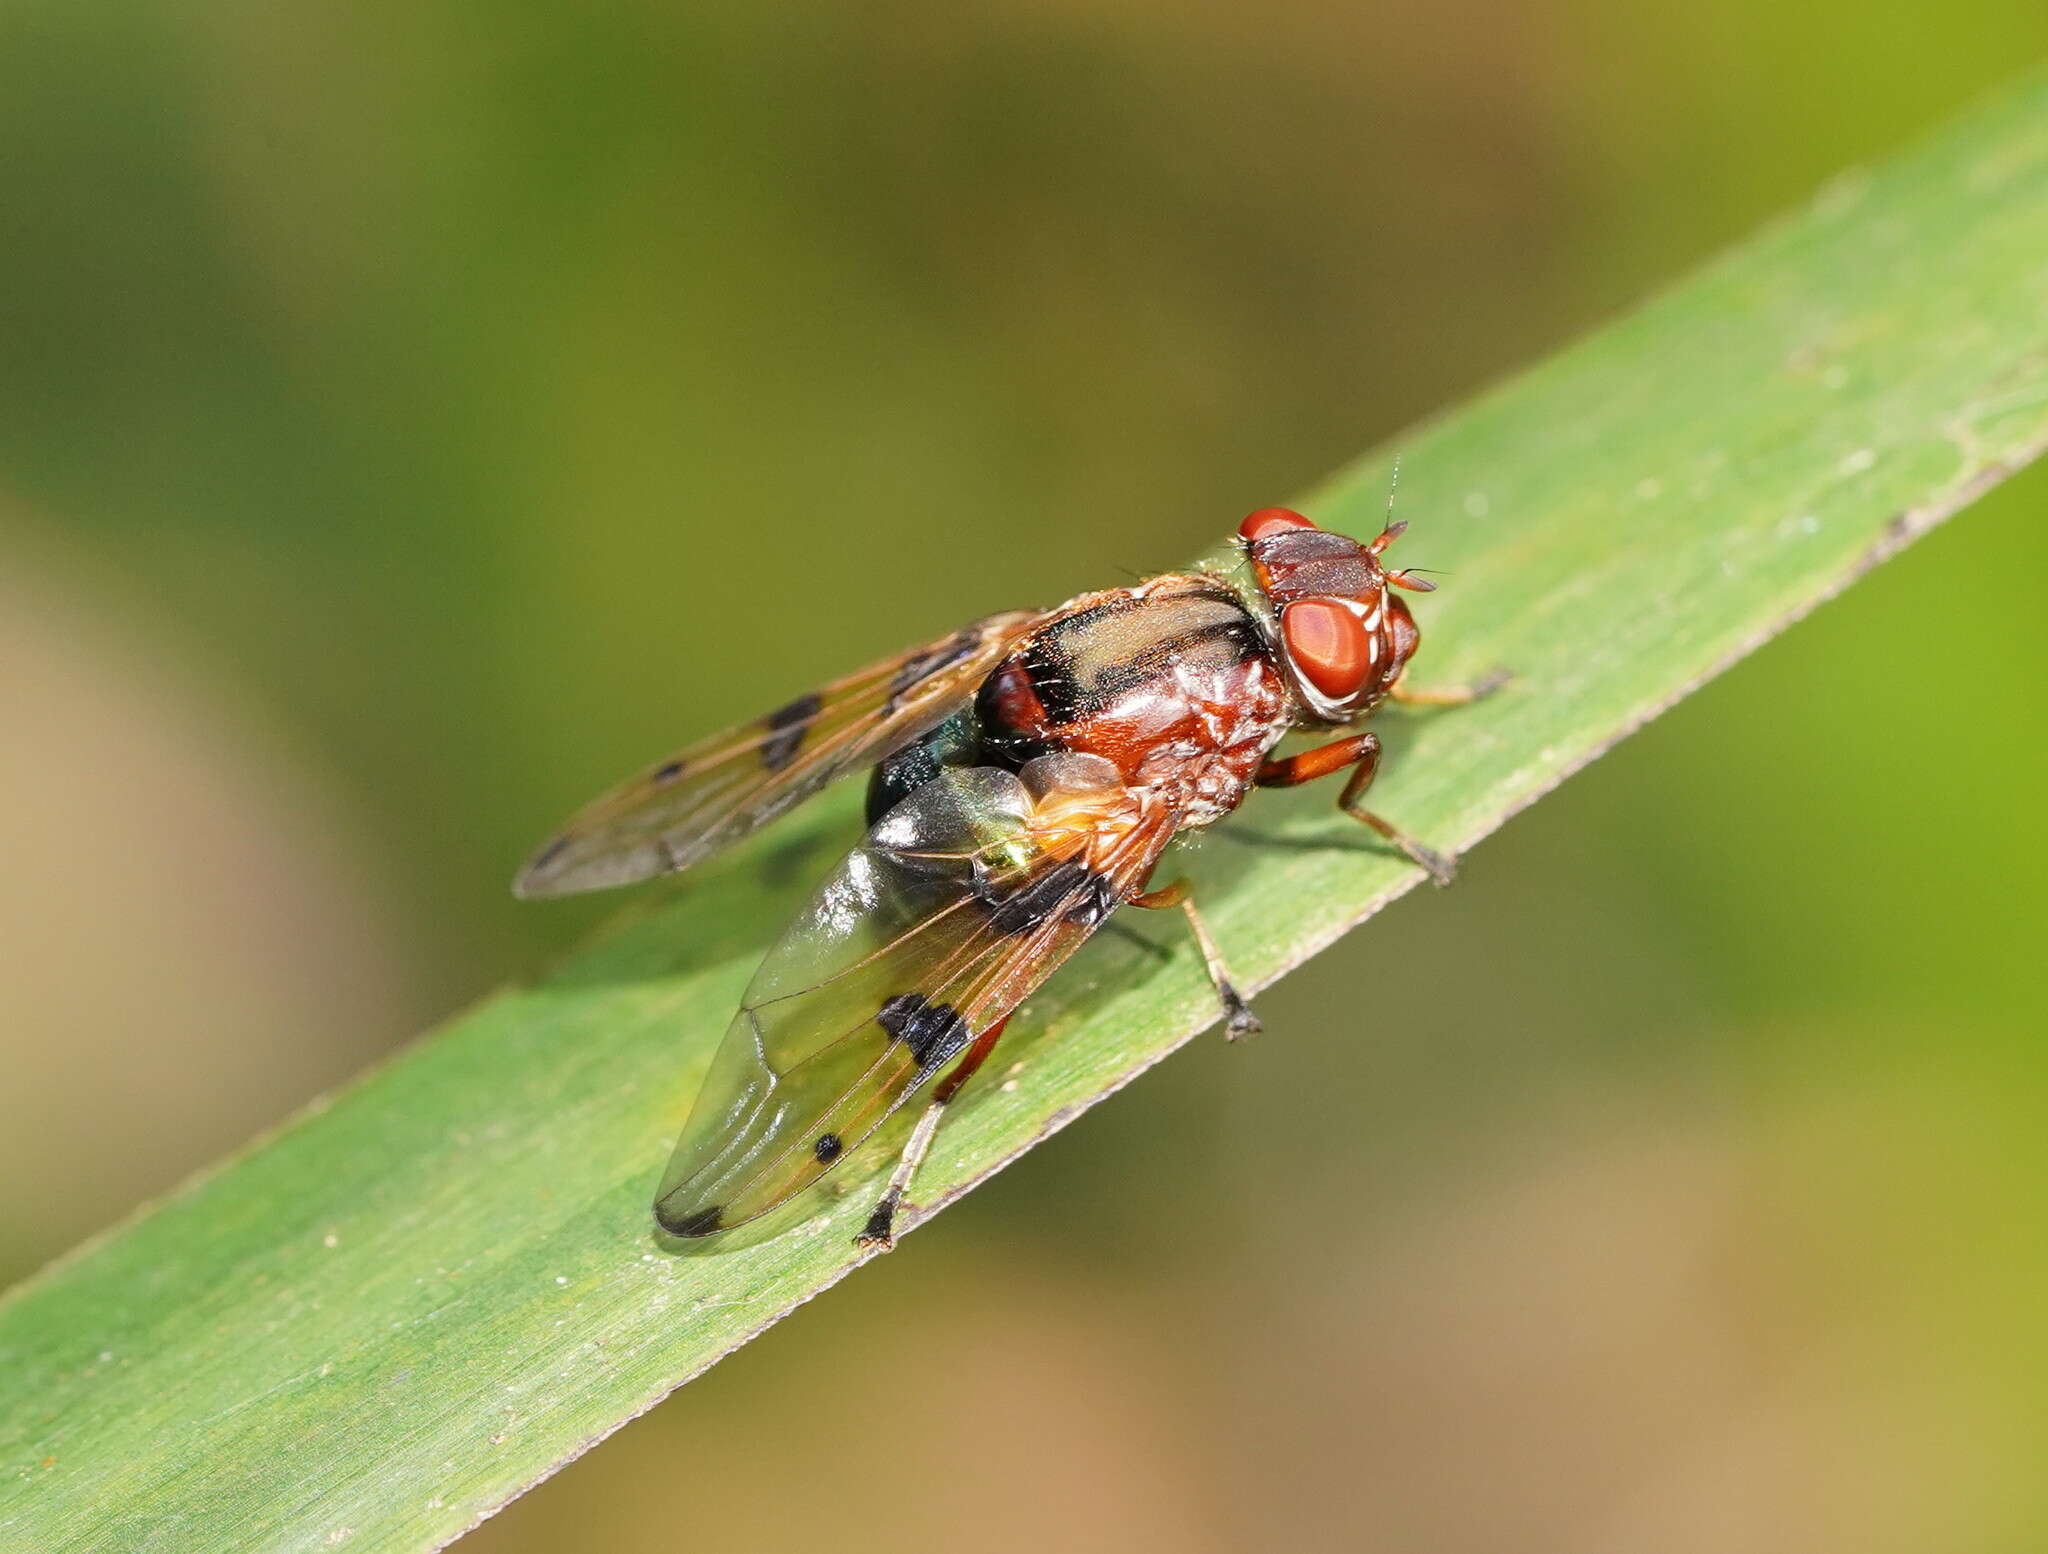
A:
(413, 416)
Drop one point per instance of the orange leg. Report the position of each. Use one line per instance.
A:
(1361, 753)
(1449, 695)
(1238, 1019)
(880, 1230)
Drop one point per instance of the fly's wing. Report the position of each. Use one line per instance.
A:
(715, 792)
(963, 898)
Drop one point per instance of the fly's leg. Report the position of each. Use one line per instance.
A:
(880, 1230)
(1238, 1019)
(1361, 753)
(1449, 695)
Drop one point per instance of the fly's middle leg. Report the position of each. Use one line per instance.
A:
(1361, 754)
(1238, 1019)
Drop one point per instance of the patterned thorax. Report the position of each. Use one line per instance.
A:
(1172, 682)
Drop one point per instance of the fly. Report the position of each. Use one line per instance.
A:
(1028, 771)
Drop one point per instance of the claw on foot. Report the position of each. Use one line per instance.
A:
(879, 1231)
(1442, 868)
(1238, 1019)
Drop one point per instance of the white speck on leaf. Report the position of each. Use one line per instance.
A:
(330, 1239)
(1857, 462)
(1477, 504)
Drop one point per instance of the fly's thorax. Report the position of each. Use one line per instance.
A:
(1108, 644)
(1329, 609)
(1173, 671)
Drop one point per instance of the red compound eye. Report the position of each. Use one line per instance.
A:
(1270, 520)
(1329, 646)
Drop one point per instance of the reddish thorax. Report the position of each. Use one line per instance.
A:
(1170, 682)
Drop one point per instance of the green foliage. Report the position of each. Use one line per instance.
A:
(376, 1326)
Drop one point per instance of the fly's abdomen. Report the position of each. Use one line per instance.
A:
(954, 743)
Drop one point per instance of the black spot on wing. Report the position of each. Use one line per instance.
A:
(786, 729)
(665, 773)
(701, 1223)
(828, 1147)
(933, 1032)
(1071, 890)
(549, 853)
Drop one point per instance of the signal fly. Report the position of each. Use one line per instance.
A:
(1028, 771)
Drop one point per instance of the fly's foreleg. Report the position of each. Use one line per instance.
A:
(1449, 695)
(1361, 753)
(1238, 1019)
(880, 1230)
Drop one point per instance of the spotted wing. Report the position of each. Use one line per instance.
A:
(962, 899)
(715, 792)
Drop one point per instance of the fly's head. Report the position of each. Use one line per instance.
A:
(1344, 634)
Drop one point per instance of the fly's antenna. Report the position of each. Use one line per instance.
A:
(1392, 531)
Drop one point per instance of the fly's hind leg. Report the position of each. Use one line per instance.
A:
(1361, 753)
(1238, 1019)
(880, 1230)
